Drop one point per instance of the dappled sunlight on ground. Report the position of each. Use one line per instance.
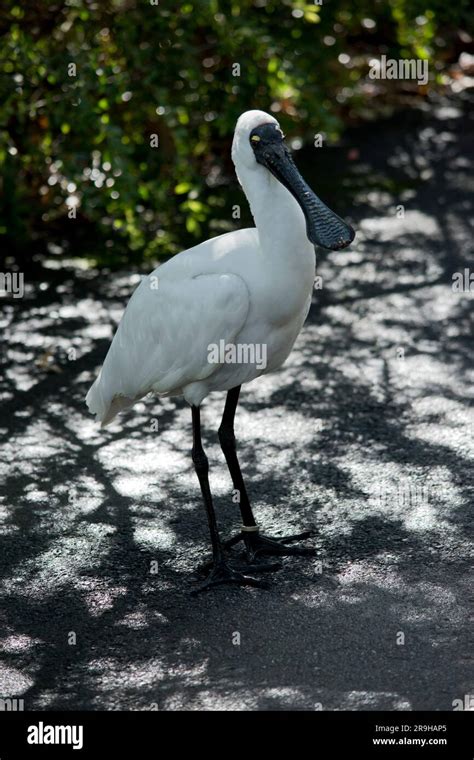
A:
(365, 434)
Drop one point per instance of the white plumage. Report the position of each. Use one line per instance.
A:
(252, 286)
(249, 288)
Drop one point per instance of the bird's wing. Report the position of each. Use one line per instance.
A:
(162, 342)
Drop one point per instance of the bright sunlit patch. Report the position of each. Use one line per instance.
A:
(154, 537)
(13, 682)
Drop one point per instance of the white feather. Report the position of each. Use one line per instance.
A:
(252, 286)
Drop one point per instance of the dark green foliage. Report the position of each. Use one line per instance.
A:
(167, 70)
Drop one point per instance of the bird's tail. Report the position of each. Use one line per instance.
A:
(104, 407)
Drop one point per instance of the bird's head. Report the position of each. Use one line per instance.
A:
(259, 142)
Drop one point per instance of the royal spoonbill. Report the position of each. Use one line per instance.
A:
(223, 313)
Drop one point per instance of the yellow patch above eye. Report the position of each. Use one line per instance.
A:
(255, 138)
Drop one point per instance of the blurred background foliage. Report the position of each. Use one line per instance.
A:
(121, 111)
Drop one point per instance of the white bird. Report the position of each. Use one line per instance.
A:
(223, 313)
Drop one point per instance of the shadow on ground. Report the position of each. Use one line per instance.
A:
(365, 434)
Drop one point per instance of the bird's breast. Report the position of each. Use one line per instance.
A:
(283, 296)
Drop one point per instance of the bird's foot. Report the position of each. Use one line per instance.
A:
(258, 545)
(257, 567)
(222, 573)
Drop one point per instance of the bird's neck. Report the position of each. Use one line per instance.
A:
(279, 219)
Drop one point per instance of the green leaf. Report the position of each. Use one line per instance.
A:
(183, 187)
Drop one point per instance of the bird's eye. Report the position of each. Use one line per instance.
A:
(255, 138)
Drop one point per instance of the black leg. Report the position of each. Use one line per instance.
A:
(221, 571)
(255, 543)
(227, 441)
(201, 465)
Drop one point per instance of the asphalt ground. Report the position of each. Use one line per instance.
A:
(365, 435)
